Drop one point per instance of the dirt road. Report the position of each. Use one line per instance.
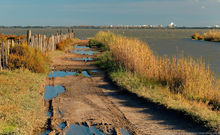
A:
(94, 101)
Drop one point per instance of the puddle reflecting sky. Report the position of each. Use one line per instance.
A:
(81, 47)
(52, 92)
(89, 52)
(62, 125)
(83, 130)
(85, 73)
(82, 59)
(46, 132)
(61, 74)
(124, 132)
(95, 70)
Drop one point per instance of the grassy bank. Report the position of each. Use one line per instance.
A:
(183, 84)
(212, 35)
(21, 101)
(21, 89)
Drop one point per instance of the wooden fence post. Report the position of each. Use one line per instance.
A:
(28, 37)
(53, 45)
(44, 42)
(0, 61)
(6, 52)
(41, 39)
(12, 45)
(32, 41)
(3, 54)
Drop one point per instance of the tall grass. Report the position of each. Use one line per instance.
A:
(212, 35)
(186, 76)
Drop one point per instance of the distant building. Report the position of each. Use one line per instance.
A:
(217, 26)
(172, 25)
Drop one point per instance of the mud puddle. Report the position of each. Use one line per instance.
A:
(79, 50)
(124, 132)
(85, 73)
(89, 52)
(46, 132)
(81, 47)
(75, 129)
(82, 59)
(94, 70)
(61, 74)
(62, 125)
(52, 92)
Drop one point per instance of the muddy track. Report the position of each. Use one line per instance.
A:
(94, 101)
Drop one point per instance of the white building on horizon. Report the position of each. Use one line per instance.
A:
(172, 25)
(217, 26)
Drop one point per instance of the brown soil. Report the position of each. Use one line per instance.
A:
(95, 101)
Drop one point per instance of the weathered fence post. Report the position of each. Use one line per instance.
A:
(53, 43)
(28, 37)
(44, 42)
(6, 52)
(3, 54)
(12, 44)
(0, 60)
(32, 41)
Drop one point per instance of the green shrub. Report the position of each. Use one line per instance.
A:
(93, 42)
(24, 56)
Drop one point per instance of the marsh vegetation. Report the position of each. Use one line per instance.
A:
(184, 83)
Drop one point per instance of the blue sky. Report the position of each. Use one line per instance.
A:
(106, 12)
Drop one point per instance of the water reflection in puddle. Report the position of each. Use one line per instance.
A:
(89, 52)
(85, 73)
(62, 125)
(52, 92)
(46, 132)
(81, 47)
(94, 70)
(61, 74)
(124, 132)
(49, 114)
(82, 59)
(83, 130)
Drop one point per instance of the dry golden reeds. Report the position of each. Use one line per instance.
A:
(190, 77)
(212, 35)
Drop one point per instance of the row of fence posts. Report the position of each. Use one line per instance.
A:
(41, 42)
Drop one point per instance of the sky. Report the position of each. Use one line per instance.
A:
(109, 12)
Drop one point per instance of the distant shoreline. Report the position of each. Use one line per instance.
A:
(109, 27)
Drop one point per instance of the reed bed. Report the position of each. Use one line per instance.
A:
(212, 35)
(185, 75)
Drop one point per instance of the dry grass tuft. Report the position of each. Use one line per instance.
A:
(24, 56)
(64, 44)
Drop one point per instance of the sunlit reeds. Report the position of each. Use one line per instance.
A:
(185, 75)
(212, 35)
